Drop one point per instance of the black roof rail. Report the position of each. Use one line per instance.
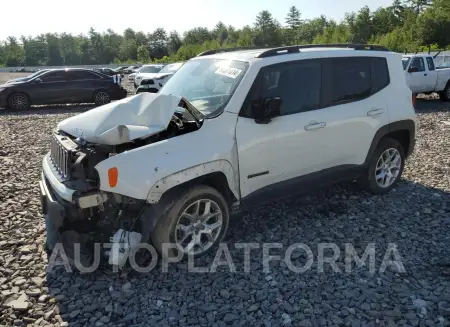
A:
(214, 51)
(297, 48)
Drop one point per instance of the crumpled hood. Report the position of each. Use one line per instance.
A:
(121, 121)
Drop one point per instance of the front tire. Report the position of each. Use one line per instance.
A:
(194, 225)
(19, 101)
(385, 168)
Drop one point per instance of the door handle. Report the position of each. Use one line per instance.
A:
(314, 126)
(425, 74)
(375, 112)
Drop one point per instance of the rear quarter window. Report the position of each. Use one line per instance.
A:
(379, 74)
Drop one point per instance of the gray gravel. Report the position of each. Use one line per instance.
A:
(415, 216)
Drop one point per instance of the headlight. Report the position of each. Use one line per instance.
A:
(1, 89)
(160, 78)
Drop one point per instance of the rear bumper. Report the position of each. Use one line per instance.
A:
(119, 94)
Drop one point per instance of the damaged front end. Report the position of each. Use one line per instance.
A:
(78, 214)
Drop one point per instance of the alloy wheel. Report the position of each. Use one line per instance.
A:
(19, 102)
(102, 98)
(198, 227)
(388, 167)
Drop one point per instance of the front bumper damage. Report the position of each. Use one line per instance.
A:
(87, 221)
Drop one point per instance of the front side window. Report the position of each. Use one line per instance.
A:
(418, 62)
(297, 84)
(207, 84)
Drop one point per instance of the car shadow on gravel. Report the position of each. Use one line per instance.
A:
(412, 216)
(49, 110)
(431, 103)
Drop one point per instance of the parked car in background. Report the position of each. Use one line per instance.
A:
(108, 71)
(132, 69)
(133, 75)
(157, 81)
(58, 86)
(147, 71)
(423, 77)
(120, 69)
(22, 79)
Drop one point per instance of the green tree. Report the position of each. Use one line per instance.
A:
(158, 43)
(267, 30)
(174, 43)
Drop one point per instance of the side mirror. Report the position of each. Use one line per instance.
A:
(269, 109)
(413, 69)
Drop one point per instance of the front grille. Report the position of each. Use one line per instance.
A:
(61, 157)
(147, 82)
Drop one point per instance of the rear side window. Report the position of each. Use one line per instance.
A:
(56, 76)
(430, 63)
(317, 83)
(350, 78)
(82, 75)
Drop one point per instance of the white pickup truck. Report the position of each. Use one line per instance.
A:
(423, 77)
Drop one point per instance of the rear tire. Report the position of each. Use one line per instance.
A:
(445, 94)
(101, 97)
(385, 168)
(19, 101)
(195, 224)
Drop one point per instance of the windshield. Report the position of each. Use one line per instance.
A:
(150, 69)
(171, 68)
(207, 84)
(405, 62)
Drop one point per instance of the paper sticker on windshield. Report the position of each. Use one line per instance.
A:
(228, 71)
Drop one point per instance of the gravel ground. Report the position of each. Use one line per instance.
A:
(415, 216)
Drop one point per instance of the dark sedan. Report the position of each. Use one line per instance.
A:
(60, 86)
(108, 71)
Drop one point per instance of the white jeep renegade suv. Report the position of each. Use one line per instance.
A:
(231, 128)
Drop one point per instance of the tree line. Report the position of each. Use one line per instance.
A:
(405, 26)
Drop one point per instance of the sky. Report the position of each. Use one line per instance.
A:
(78, 16)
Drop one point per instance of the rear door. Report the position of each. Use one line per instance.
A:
(50, 88)
(331, 110)
(83, 84)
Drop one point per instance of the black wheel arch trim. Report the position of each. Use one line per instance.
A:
(400, 125)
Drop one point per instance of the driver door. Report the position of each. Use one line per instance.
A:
(50, 88)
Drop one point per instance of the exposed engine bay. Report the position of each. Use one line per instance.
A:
(94, 216)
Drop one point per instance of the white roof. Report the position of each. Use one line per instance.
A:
(247, 55)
